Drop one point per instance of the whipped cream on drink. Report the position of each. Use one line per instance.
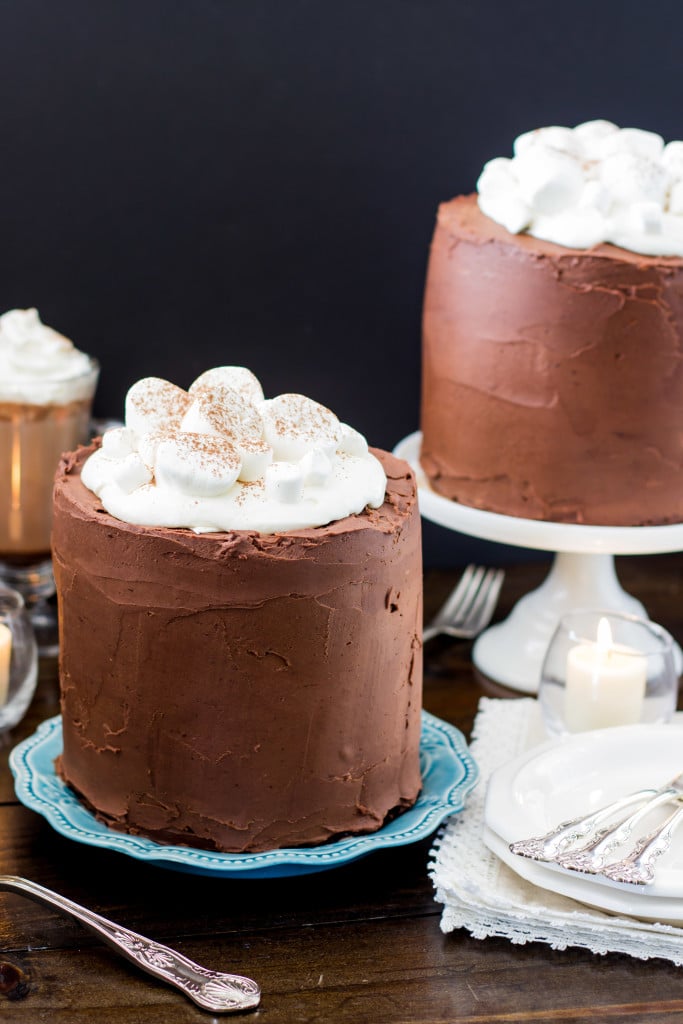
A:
(37, 364)
(590, 184)
(220, 456)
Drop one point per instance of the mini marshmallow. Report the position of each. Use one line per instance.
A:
(549, 181)
(646, 217)
(576, 229)
(118, 442)
(153, 402)
(672, 159)
(631, 178)
(256, 456)
(316, 467)
(294, 424)
(130, 473)
(595, 196)
(648, 145)
(284, 482)
(239, 378)
(201, 465)
(676, 199)
(499, 196)
(553, 137)
(223, 411)
(510, 211)
(591, 133)
(351, 442)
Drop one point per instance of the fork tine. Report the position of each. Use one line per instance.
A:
(453, 601)
(485, 599)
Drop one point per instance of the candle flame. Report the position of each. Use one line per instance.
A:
(604, 635)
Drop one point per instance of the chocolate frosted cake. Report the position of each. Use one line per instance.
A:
(231, 688)
(553, 332)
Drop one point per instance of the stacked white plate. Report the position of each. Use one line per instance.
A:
(563, 779)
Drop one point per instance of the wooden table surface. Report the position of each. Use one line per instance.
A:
(357, 944)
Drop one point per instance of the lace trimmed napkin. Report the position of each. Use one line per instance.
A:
(484, 896)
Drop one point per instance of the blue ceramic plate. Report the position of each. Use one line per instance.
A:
(448, 774)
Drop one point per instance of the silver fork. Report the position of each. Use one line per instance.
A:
(558, 845)
(212, 990)
(469, 607)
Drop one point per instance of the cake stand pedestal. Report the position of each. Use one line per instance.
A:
(583, 574)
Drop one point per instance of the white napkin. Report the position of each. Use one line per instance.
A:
(484, 896)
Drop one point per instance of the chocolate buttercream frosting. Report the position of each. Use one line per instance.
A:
(238, 691)
(552, 377)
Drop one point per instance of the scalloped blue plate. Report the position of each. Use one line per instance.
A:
(449, 773)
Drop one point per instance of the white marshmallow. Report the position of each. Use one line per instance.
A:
(672, 159)
(590, 135)
(595, 196)
(239, 378)
(284, 482)
(294, 424)
(510, 211)
(648, 145)
(153, 402)
(631, 178)
(351, 442)
(552, 137)
(130, 473)
(118, 442)
(499, 195)
(256, 456)
(549, 181)
(223, 411)
(646, 217)
(201, 465)
(576, 229)
(676, 199)
(316, 467)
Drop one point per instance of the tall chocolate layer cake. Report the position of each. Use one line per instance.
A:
(239, 690)
(552, 375)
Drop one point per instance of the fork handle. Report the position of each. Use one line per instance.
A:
(236, 992)
(639, 867)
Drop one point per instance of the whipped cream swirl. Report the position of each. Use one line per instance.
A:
(38, 365)
(593, 183)
(220, 456)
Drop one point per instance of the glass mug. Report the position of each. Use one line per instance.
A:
(33, 436)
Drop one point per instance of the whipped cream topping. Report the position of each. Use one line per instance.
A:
(590, 184)
(38, 365)
(220, 456)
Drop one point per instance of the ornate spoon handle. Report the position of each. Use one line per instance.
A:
(212, 990)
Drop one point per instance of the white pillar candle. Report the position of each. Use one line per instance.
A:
(5, 654)
(605, 683)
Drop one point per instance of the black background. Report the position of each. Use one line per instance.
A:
(189, 184)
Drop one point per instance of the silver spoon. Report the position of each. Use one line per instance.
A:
(222, 993)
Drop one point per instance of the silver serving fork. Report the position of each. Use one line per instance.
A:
(212, 990)
(470, 606)
(555, 844)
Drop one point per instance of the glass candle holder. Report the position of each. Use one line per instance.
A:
(18, 659)
(37, 424)
(604, 669)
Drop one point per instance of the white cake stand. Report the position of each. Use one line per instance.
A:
(582, 574)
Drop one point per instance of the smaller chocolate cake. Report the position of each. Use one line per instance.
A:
(230, 688)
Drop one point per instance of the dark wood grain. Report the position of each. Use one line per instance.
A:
(358, 944)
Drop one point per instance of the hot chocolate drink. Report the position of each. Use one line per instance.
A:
(46, 388)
